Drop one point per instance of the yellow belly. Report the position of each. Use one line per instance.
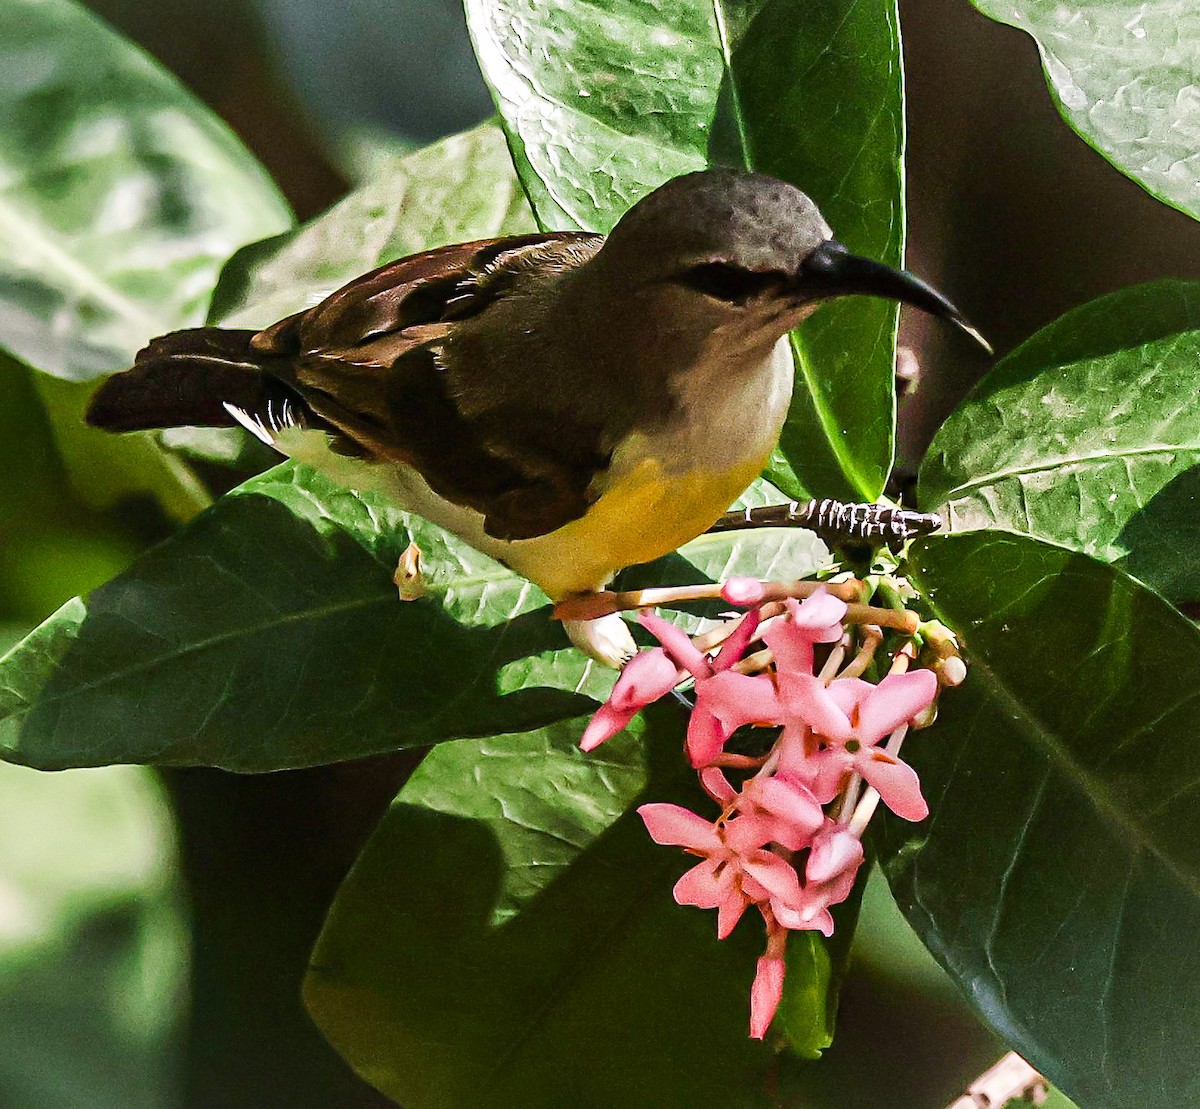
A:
(646, 515)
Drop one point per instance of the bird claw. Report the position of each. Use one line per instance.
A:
(608, 640)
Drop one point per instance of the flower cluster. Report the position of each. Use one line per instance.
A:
(787, 840)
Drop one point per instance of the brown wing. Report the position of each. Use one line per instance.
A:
(367, 361)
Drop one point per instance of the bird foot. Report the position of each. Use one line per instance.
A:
(408, 577)
(607, 640)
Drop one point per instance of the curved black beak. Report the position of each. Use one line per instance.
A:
(831, 270)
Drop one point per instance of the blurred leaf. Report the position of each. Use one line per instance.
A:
(1059, 871)
(93, 950)
(1123, 75)
(598, 990)
(268, 634)
(51, 547)
(123, 194)
(459, 189)
(105, 469)
(604, 102)
(1089, 435)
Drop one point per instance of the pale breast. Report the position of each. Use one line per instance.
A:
(665, 486)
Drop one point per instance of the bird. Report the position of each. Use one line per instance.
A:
(567, 403)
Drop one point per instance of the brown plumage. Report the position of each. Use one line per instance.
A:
(365, 365)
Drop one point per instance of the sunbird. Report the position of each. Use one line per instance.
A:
(567, 403)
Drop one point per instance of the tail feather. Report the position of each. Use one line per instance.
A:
(188, 378)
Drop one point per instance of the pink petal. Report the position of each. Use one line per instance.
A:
(822, 613)
(675, 825)
(765, 995)
(678, 644)
(748, 833)
(793, 650)
(735, 646)
(737, 699)
(830, 768)
(646, 677)
(834, 852)
(806, 698)
(716, 785)
(605, 724)
(895, 701)
(705, 736)
(810, 919)
(706, 885)
(896, 782)
(778, 878)
(850, 694)
(794, 753)
(743, 591)
(792, 803)
(729, 912)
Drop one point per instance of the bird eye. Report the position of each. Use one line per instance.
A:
(730, 283)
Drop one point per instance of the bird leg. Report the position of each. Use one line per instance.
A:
(836, 522)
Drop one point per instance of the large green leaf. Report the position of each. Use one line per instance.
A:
(459, 189)
(1123, 75)
(604, 102)
(93, 950)
(122, 195)
(1088, 435)
(464, 963)
(1058, 876)
(268, 634)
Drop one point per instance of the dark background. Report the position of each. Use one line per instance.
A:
(1010, 213)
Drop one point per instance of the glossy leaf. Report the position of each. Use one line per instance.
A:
(93, 949)
(1123, 75)
(459, 189)
(1058, 875)
(268, 634)
(1088, 435)
(604, 102)
(597, 990)
(122, 194)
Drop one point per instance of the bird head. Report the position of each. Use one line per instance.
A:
(743, 252)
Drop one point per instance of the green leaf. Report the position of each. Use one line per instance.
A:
(602, 103)
(1058, 876)
(104, 470)
(122, 197)
(93, 949)
(594, 988)
(459, 189)
(1088, 435)
(1123, 76)
(268, 634)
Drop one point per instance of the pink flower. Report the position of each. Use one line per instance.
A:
(850, 717)
(646, 677)
(818, 619)
(794, 813)
(735, 870)
(833, 864)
